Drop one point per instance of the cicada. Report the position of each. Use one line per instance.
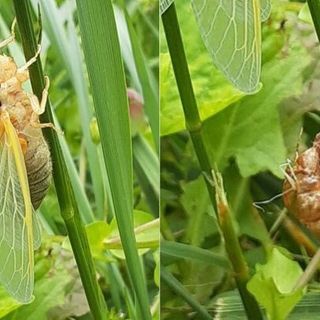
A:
(301, 188)
(25, 174)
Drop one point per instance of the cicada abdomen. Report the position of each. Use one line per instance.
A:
(302, 187)
(39, 168)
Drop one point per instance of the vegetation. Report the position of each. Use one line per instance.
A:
(106, 191)
(206, 218)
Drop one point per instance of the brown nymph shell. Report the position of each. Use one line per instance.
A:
(302, 187)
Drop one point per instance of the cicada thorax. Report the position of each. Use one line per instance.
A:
(302, 187)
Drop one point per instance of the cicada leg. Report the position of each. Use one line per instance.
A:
(291, 178)
(5, 42)
(39, 108)
(298, 143)
(25, 67)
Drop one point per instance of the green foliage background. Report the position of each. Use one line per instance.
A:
(58, 290)
(248, 138)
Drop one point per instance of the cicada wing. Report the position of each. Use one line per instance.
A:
(231, 31)
(36, 231)
(265, 9)
(16, 231)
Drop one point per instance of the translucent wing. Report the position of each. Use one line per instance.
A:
(265, 9)
(16, 218)
(231, 30)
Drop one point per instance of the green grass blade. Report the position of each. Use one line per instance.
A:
(147, 167)
(183, 251)
(104, 64)
(151, 100)
(68, 205)
(126, 49)
(181, 291)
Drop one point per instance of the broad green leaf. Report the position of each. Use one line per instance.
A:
(231, 31)
(49, 292)
(273, 283)
(250, 131)
(213, 91)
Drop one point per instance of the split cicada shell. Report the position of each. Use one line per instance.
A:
(301, 188)
(25, 174)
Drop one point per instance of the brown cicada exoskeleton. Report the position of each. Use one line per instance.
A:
(301, 187)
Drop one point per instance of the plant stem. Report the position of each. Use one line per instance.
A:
(194, 126)
(189, 104)
(67, 203)
(314, 6)
(233, 248)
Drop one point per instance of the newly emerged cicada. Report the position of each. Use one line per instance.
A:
(301, 188)
(25, 174)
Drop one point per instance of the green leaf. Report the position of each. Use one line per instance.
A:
(195, 200)
(103, 236)
(7, 303)
(97, 232)
(273, 283)
(49, 292)
(213, 91)
(250, 131)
